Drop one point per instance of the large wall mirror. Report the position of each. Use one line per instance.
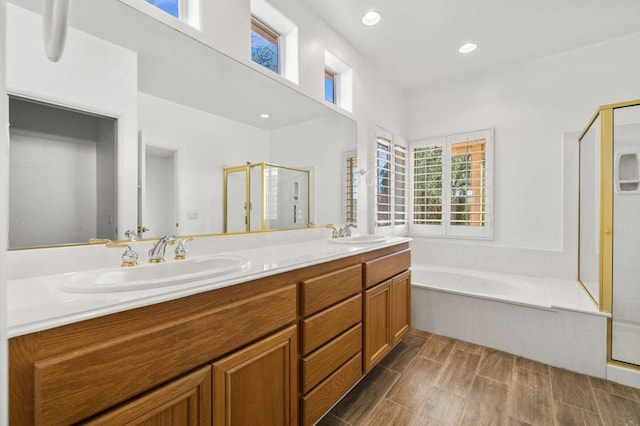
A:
(178, 113)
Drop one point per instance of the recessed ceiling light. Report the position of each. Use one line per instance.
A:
(468, 48)
(371, 18)
(264, 116)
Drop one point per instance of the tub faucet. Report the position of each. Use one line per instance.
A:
(156, 254)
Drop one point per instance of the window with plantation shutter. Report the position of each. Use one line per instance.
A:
(391, 192)
(452, 185)
(351, 187)
(383, 182)
(427, 185)
(399, 185)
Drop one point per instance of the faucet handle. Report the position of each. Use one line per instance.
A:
(129, 257)
(335, 232)
(181, 248)
(347, 228)
(131, 235)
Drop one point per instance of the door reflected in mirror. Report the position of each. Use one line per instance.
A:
(158, 182)
(62, 173)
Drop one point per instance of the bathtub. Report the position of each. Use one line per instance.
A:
(548, 320)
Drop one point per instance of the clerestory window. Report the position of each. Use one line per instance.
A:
(265, 46)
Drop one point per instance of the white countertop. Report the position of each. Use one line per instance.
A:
(38, 303)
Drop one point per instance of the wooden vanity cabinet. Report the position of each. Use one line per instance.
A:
(400, 306)
(280, 350)
(76, 372)
(183, 402)
(387, 302)
(330, 312)
(258, 385)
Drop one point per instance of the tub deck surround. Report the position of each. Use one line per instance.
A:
(534, 292)
(38, 303)
(545, 319)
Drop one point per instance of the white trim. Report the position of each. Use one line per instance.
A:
(343, 81)
(393, 140)
(288, 42)
(4, 222)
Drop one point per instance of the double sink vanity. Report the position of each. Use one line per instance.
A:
(275, 335)
(270, 328)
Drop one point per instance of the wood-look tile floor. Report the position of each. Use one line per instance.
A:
(429, 379)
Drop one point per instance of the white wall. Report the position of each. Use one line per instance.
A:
(530, 106)
(206, 144)
(4, 223)
(32, 75)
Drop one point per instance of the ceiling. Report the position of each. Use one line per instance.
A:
(416, 43)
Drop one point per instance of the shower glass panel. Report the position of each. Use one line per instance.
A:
(589, 273)
(286, 197)
(625, 324)
(264, 197)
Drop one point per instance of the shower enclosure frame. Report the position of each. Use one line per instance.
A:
(605, 115)
(263, 167)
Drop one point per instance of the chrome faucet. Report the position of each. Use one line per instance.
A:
(341, 231)
(334, 230)
(181, 249)
(156, 254)
(346, 229)
(131, 235)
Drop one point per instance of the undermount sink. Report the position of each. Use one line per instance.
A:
(153, 275)
(359, 239)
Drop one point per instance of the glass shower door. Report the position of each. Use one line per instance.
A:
(625, 324)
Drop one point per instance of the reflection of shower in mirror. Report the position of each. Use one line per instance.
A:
(278, 195)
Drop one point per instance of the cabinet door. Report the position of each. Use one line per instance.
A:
(377, 309)
(400, 306)
(183, 402)
(258, 385)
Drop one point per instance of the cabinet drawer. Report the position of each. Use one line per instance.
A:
(323, 291)
(385, 267)
(319, 400)
(325, 325)
(318, 365)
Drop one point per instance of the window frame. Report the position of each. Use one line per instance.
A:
(333, 76)
(183, 10)
(445, 228)
(268, 33)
